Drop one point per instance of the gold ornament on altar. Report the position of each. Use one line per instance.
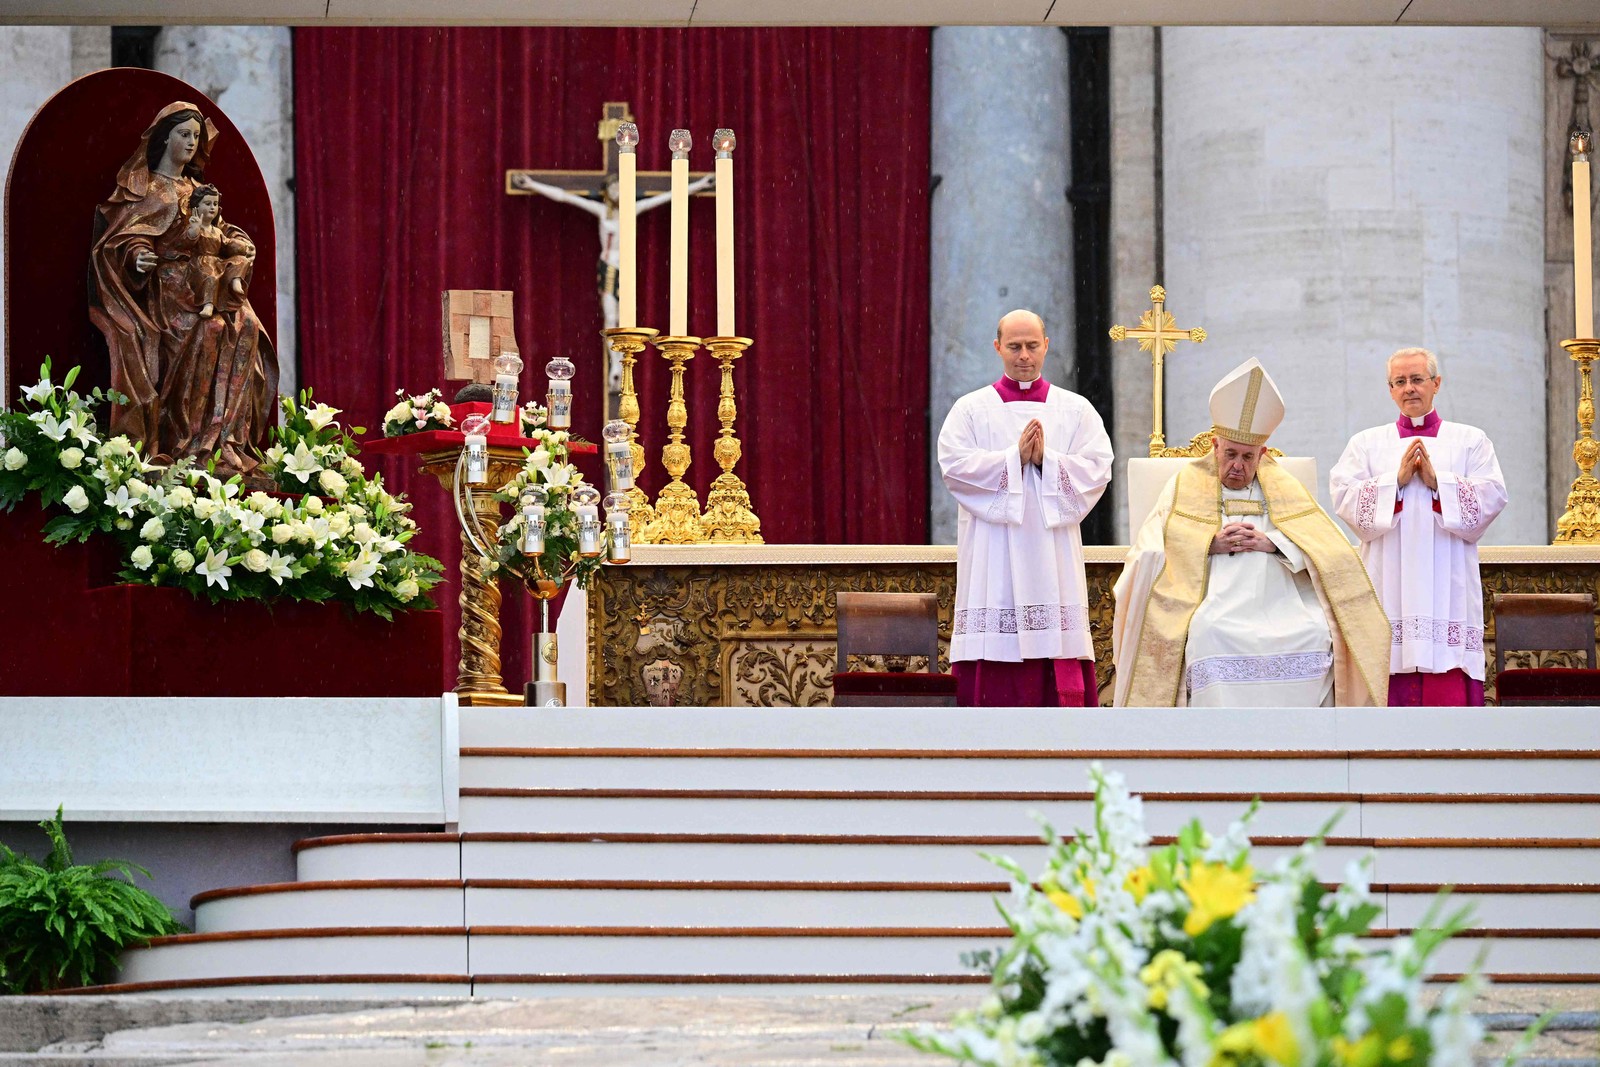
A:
(1158, 333)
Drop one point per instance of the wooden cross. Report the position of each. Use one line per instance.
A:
(594, 182)
(1157, 334)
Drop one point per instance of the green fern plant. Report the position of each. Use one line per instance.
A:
(63, 924)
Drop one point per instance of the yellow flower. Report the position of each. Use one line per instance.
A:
(1275, 1039)
(1235, 1045)
(1169, 972)
(1368, 1052)
(1138, 883)
(1215, 891)
(1402, 1048)
(1065, 901)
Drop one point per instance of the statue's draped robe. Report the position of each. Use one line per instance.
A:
(1020, 588)
(193, 385)
(1421, 548)
(1243, 630)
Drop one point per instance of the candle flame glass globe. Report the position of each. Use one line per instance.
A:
(475, 425)
(724, 141)
(617, 503)
(506, 363)
(627, 134)
(615, 431)
(680, 141)
(559, 369)
(585, 495)
(1582, 141)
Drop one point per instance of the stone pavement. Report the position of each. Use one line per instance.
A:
(756, 1031)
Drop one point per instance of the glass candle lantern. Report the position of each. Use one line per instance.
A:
(585, 505)
(620, 547)
(476, 429)
(531, 504)
(507, 368)
(560, 370)
(619, 456)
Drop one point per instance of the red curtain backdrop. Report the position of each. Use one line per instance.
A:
(403, 137)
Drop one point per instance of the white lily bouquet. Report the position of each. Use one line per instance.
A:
(417, 414)
(181, 526)
(549, 494)
(1187, 955)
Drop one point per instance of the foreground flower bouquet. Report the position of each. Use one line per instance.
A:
(1188, 955)
(332, 533)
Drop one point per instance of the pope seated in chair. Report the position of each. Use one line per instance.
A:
(1239, 590)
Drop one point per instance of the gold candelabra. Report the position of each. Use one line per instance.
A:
(728, 515)
(677, 509)
(627, 342)
(1580, 523)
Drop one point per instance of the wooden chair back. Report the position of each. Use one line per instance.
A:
(1543, 622)
(888, 624)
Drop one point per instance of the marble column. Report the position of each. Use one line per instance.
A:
(248, 71)
(1001, 228)
(1135, 245)
(38, 62)
(1331, 195)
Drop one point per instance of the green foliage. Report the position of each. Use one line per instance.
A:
(64, 924)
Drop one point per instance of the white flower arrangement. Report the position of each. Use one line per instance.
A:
(417, 414)
(1187, 955)
(531, 416)
(182, 526)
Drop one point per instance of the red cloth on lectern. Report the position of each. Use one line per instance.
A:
(1033, 683)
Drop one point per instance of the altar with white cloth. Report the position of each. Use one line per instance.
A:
(754, 625)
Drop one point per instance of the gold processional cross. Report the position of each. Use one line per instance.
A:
(1157, 334)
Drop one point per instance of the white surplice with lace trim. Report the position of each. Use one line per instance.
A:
(1020, 589)
(1424, 563)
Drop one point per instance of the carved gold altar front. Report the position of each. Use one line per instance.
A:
(754, 625)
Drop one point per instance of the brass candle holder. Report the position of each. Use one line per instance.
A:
(478, 679)
(1580, 523)
(677, 509)
(627, 342)
(728, 516)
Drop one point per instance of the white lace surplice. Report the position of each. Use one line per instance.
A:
(1020, 589)
(1260, 637)
(1424, 563)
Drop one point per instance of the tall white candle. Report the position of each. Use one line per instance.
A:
(678, 289)
(1582, 243)
(627, 226)
(724, 142)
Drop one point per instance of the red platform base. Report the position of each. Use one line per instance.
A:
(62, 636)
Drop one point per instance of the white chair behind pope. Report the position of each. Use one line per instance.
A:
(1147, 477)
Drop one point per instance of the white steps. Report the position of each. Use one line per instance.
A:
(824, 849)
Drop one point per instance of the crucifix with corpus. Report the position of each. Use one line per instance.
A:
(595, 191)
(1157, 334)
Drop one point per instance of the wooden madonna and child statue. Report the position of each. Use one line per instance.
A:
(169, 283)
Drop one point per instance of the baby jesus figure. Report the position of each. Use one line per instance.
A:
(217, 259)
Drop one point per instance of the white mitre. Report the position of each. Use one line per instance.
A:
(1246, 405)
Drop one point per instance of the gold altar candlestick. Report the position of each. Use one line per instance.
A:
(478, 680)
(677, 517)
(628, 343)
(728, 516)
(1580, 523)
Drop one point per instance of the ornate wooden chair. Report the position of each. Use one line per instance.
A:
(1545, 622)
(897, 626)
